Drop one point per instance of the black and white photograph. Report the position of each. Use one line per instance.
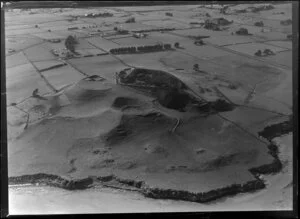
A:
(119, 107)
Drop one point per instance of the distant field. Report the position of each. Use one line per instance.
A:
(105, 66)
(19, 32)
(284, 44)
(62, 76)
(167, 24)
(38, 53)
(284, 58)
(92, 51)
(102, 43)
(227, 40)
(188, 135)
(15, 60)
(132, 41)
(49, 36)
(251, 48)
(21, 42)
(42, 65)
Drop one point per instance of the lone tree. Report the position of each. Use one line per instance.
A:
(258, 53)
(196, 67)
(242, 31)
(176, 45)
(70, 43)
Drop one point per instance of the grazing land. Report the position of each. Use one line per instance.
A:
(122, 98)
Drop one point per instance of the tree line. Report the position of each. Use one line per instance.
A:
(147, 48)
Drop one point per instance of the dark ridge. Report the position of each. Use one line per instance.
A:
(269, 133)
(203, 197)
(52, 67)
(277, 130)
(221, 105)
(52, 180)
(56, 181)
(120, 102)
(129, 182)
(151, 78)
(173, 98)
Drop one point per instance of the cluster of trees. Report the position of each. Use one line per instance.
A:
(242, 31)
(147, 48)
(286, 22)
(259, 24)
(266, 52)
(121, 50)
(212, 26)
(169, 14)
(130, 20)
(156, 29)
(121, 31)
(105, 14)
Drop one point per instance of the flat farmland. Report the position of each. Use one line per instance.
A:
(57, 46)
(62, 76)
(283, 58)
(43, 65)
(34, 18)
(38, 53)
(284, 44)
(20, 43)
(251, 48)
(167, 37)
(15, 60)
(132, 41)
(84, 44)
(200, 32)
(250, 72)
(67, 33)
(62, 23)
(104, 66)
(19, 75)
(132, 26)
(49, 36)
(102, 43)
(228, 40)
(270, 35)
(92, 52)
(167, 24)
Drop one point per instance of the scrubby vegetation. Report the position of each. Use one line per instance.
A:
(286, 22)
(259, 24)
(152, 30)
(130, 20)
(242, 31)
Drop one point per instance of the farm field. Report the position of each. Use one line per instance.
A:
(140, 104)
